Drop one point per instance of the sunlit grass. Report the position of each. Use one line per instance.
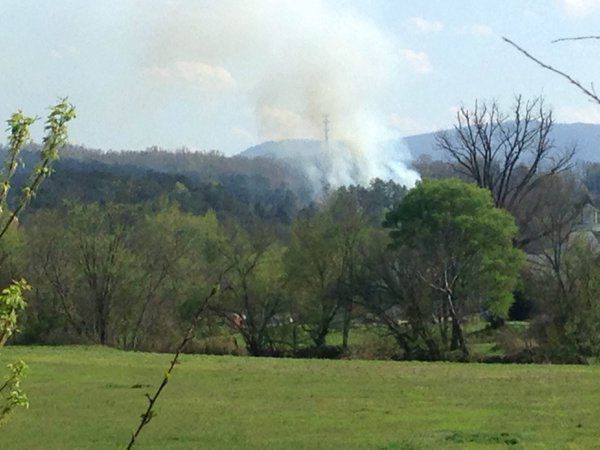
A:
(91, 397)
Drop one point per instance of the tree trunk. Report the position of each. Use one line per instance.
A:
(346, 328)
(320, 338)
(101, 320)
(458, 340)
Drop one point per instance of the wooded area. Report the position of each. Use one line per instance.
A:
(122, 249)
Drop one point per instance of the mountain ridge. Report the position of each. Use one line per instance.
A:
(585, 136)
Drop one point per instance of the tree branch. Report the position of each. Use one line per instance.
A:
(589, 92)
(149, 413)
(576, 38)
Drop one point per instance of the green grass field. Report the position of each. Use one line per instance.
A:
(91, 397)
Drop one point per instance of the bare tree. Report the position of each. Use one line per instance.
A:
(509, 154)
(561, 207)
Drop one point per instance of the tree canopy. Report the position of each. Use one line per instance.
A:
(462, 246)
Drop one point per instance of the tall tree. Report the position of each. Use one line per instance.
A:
(86, 264)
(175, 251)
(321, 263)
(463, 246)
(509, 154)
(565, 285)
(388, 285)
(253, 288)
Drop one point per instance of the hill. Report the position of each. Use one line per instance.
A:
(289, 148)
(585, 136)
(248, 189)
(340, 163)
(270, 181)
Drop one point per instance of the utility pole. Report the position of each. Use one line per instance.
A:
(326, 128)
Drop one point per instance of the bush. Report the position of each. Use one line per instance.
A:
(375, 346)
(216, 345)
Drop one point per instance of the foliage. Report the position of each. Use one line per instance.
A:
(11, 391)
(247, 189)
(570, 325)
(286, 288)
(11, 298)
(281, 296)
(253, 296)
(175, 253)
(85, 264)
(321, 263)
(11, 304)
(118, 274)
(461, 248)
(54, 139)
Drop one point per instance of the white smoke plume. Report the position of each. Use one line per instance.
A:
(294, 61)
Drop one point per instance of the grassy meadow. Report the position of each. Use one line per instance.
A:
(91, 397)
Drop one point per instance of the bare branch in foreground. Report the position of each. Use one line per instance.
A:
(576, 38)
(587, 91)
(149, 413)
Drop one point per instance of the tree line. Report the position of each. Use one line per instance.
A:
(491, 233)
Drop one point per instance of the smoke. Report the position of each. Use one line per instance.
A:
(293, 62)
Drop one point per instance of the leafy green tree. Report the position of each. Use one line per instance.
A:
(253, 296)
(321, 261)
(86, 265)
(123, 275)
(389, 287)
(178, 259)
(462, 246)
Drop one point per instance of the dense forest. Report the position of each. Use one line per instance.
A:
(126, 248)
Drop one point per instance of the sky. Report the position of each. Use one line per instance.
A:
(226, 74)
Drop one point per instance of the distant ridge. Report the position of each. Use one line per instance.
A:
(288, 148)
(586, 136)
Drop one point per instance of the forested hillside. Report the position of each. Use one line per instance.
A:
(244, 188)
